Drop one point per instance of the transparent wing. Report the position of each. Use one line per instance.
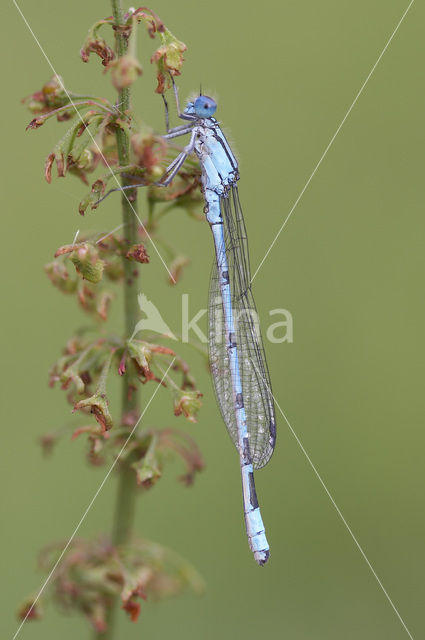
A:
(256, 386)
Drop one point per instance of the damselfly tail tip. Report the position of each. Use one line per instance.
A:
(261, 557)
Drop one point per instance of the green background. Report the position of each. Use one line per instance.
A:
(348, 266)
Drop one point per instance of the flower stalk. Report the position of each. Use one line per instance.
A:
(126, 491)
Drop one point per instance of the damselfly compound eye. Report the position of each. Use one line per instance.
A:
(204, 106)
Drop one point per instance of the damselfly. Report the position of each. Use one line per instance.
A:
(237, 359)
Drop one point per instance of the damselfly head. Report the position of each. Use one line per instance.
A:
(204, 106)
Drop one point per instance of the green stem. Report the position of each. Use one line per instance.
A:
(126, 493)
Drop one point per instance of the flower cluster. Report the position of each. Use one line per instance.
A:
(90, 142)
(94, 573)
(88, 268)
(83, 371)
(125, 70)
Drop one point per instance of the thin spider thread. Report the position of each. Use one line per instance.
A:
(337, 509)
(332, 140)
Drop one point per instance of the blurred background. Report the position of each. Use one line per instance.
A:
(348, 266)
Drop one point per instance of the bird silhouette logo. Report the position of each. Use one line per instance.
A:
(153, 320)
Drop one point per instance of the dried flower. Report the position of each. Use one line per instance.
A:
(102, 306)
(59, 276)
(30, 610)
(132, 608)
(168, 59)
(98, 403)
(138, 253)
(98, 45)
(150, 150)
(87, 263)
(96, 192)
(148, 467)
(187, 403)
(94, 573)
(125, 71)
(51, 96)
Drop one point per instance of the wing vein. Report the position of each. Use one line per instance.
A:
(256, 385)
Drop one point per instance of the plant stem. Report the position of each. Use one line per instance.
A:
(126, 493)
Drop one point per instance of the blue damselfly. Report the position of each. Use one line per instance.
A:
(238, 364)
